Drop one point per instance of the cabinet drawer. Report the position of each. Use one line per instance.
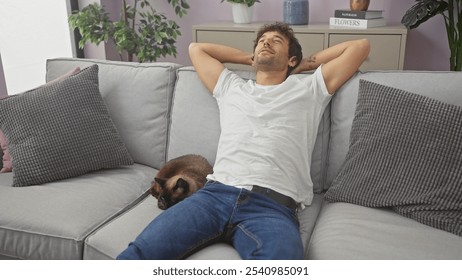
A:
(237, 39)
(385, 50)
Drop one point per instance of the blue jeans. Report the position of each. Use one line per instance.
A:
(256, 226)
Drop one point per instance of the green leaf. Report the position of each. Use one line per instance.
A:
(451, 10)
(150, 37)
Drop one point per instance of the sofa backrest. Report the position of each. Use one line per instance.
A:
(195, 124)
(138, 97)
(443, 86)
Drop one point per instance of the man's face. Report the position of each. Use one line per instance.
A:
(272, 52)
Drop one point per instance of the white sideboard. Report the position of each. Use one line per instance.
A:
(388, 43)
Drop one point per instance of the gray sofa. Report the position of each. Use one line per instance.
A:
(162, 111)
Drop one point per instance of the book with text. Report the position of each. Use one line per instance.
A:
(358, 14)
(357, 23)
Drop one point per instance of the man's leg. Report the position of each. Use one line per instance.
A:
(266, 230)
(183, 228)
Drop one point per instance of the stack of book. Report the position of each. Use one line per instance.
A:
(357, 19)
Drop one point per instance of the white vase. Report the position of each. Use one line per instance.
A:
(242, 13)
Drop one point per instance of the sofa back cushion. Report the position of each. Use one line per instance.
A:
(195, 121)
(443, 86)
(195, 124)
(138, 97)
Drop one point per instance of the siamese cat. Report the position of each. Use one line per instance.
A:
(179, 178)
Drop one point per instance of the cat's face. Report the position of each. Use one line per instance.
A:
(169, 191)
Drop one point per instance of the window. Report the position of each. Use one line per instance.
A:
(30, 33)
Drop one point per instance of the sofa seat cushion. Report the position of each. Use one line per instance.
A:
(111, 239)
(307, 218)
(51, 221)
(107, 242)
(348, 231)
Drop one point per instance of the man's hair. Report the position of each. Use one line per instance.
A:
(283, 28)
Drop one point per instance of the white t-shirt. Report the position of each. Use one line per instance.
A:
(268, 132)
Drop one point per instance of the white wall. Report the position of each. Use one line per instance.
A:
(2, 79)
(30, 33)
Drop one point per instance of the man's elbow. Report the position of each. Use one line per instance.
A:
(194, 51)
(364, 47)
(192, 47)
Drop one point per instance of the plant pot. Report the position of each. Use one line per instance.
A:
(242, 13)
(296, 12)
(359, 5)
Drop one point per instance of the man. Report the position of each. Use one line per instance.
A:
(262, 169)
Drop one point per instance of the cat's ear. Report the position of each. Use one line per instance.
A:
(182, 185)
(161, 181)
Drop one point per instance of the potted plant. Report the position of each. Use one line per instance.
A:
(141, 31)
(242, 10)
(451, 10)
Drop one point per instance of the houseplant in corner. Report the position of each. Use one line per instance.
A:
(451, 10)
(242, 10)
(141, 31)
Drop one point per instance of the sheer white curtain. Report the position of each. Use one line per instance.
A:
(32, 31)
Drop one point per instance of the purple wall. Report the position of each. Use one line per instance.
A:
(427, 47)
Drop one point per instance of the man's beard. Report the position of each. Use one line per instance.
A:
(266, 63)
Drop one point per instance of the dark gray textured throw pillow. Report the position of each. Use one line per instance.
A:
(405, 153)
(60, 131)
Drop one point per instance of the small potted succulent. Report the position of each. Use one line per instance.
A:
(242, 10)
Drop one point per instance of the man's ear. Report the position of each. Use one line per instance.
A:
(293, 61)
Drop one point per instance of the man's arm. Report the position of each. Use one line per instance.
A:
(340, 61)
(208, 60)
